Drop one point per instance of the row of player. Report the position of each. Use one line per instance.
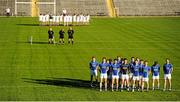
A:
(70, 33)
(65, 20)
(131, 74)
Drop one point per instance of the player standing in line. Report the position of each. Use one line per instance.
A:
(145, 74)
(43, 19)
(87, 19)
(103, 70)
(141, 65)
(51, 19)
(167, 68)
(81, 19)
(155, 69)
(119, 61)
(109, 72)
(61, 36)
(65, 20)
(54, 20)
(78, 19)
(125, 77)
(131, 70)
(135, 74)
(47, 19)
(70, 19)
(58, 20)
(61, 19)
(74, 19)
(93, 70)
(70, 35)
(84, 20)
(51, 36)
(115, 76)
(137, 58)
(40, 19)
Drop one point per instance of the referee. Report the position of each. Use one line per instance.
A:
(51, 36)
(70, 35)
(61, 36)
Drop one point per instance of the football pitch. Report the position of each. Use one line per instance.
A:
(61, 72)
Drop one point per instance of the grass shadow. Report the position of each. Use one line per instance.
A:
(27, 24)
(33, 42)
(64, 82)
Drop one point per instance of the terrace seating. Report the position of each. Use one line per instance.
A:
(92, 7)
(99, 7)
(147, 7)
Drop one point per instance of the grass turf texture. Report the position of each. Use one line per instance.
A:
(60, 72)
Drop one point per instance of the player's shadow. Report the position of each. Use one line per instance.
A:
(27, 24)
(64, 82)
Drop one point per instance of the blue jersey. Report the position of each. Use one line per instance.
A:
(115, 69)
(145, 71)
(141, 69)
(136, 70)
(93, 65)
(103, 68)
(119, 62)
(110, 68)
(108, 65)
(131, 64)
(155, 70)
(167, 68)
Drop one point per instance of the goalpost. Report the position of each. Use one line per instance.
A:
(34, 7)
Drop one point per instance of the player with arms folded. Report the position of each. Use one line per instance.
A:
(145, 75)
(155, 69)
(109, 72)
(103, 70)
(141, 65)
(61, 36)
(70, 35)
(132, 62)
(124, 72)
(135, 74)
(167, 68)
(93, 70)
(115, 74)
(51, 36)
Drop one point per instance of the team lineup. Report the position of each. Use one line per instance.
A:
(64, 19)
(131, 76)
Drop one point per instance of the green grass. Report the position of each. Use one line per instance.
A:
(60, 72)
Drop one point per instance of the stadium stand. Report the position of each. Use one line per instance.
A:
(98, 7)
(147, 7)
(92, 7)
